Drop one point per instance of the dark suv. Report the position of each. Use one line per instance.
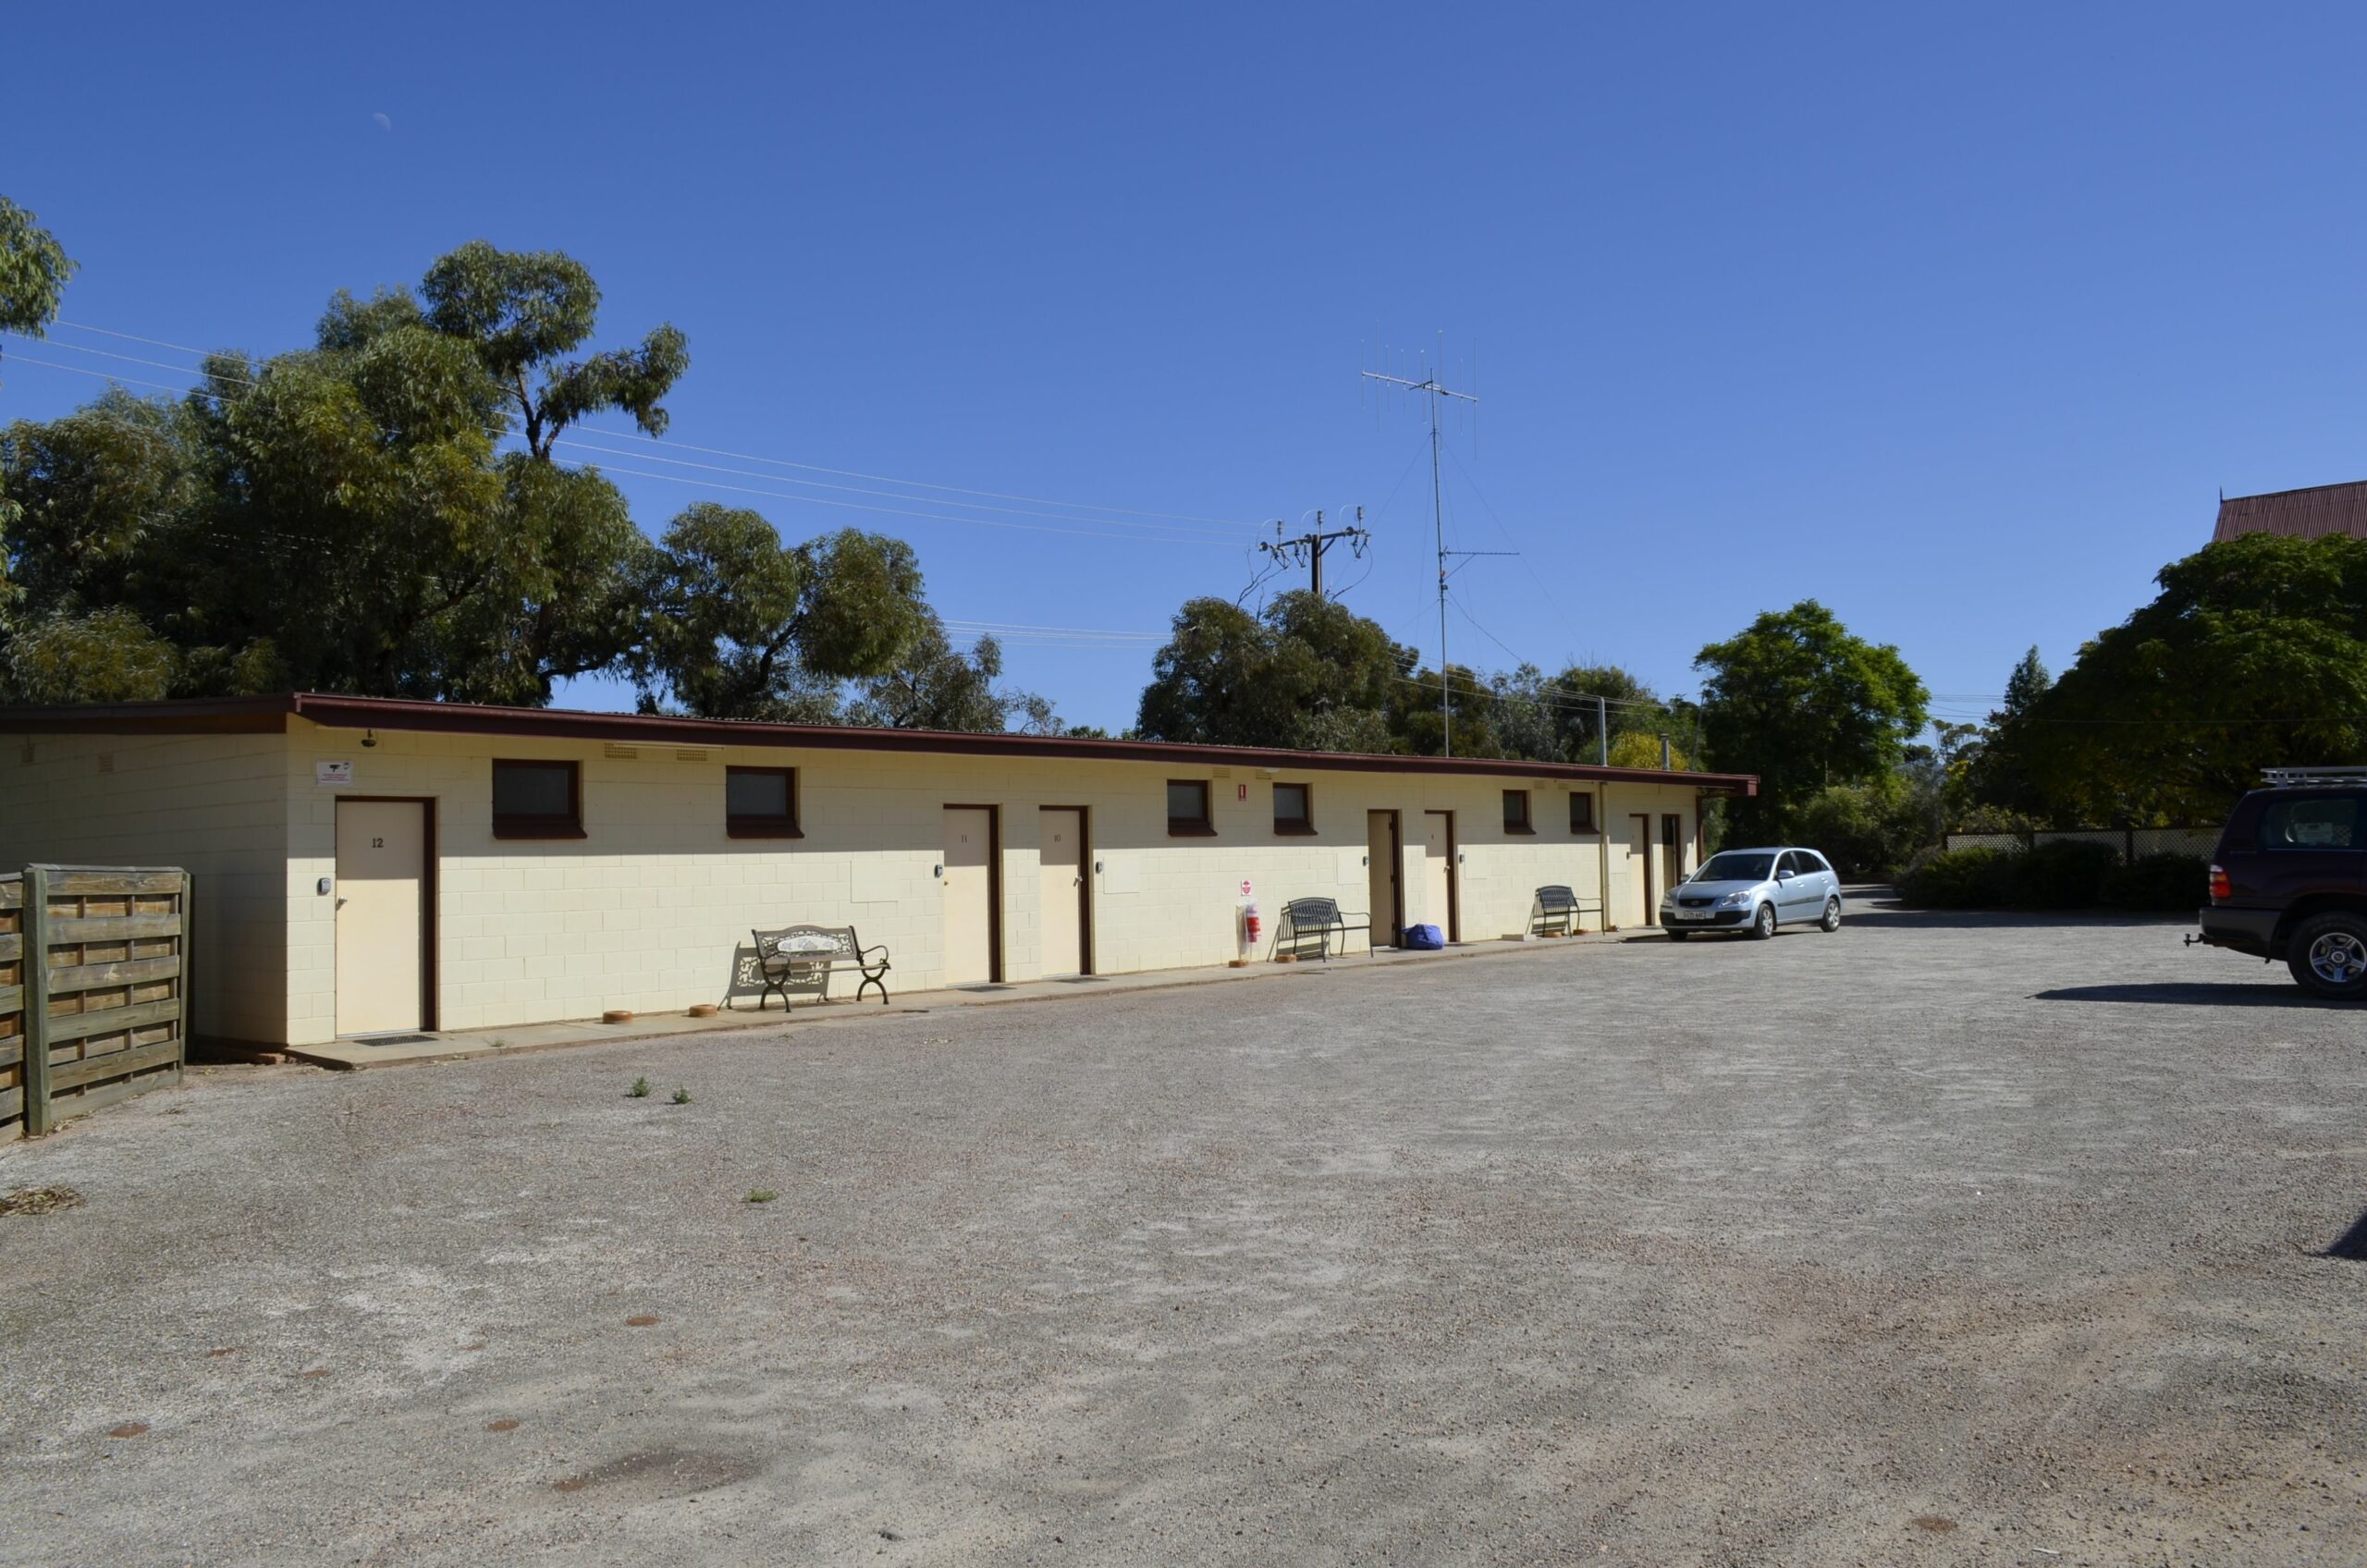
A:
(2289, 878)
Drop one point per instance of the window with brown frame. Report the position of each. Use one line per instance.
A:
(538, 799)
(1581, 812)
(1187, 809)
(760, 803)
(1517, 811)
(1293, 808)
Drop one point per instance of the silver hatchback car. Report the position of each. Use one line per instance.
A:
(1754, 891)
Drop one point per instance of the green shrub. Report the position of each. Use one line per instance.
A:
(2067, 874)
(2164, 882)
(1971, 878)
(1866, 830)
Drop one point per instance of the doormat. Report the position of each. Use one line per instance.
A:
(1082, 979)
(393, 1039)
(995, 987)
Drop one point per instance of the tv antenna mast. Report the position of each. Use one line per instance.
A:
(1308, 547)
(1434, 394)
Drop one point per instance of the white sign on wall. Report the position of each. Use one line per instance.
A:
(332, 775)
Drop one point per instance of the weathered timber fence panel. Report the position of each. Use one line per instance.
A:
(101, 984)
(12, 1006)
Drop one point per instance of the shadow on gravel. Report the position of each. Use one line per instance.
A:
(2352, 1244)
(2000, 919)
(2191, 993)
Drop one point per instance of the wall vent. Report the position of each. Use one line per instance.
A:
(620, 753)
(689, 754)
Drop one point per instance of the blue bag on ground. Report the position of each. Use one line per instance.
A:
(1424, 937)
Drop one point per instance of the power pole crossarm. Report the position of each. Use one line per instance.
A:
(1310, 547)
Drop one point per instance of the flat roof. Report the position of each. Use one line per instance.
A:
(270, 714)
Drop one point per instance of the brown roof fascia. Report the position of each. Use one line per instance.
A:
(259, 714)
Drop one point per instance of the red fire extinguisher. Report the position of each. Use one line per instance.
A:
(1250, 924)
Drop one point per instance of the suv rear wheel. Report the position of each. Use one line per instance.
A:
(2328, 954)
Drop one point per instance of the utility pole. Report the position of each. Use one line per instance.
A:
(1433, 394)
(1310, 546)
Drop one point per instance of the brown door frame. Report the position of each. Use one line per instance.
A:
(1084, 879)
(427, 911)
(1396, 872)
(994, 880)
(1652, 850)
(1454, 880)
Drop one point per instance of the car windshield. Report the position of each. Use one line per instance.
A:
(1736, 868)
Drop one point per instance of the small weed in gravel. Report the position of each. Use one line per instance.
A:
(640, 1090)
(681, 1097)
(39, 1200)
(761, 1194)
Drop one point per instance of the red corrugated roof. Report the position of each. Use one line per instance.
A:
(2298, 514)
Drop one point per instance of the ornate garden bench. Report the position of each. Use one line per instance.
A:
(800, 959)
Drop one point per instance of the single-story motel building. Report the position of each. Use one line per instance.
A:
(367, 865)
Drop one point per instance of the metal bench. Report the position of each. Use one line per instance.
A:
(1556, 910)
(800, 959)
(1307, 926)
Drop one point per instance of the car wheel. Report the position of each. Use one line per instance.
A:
(1831, 921)
(1762, 924)
(2328, 955)
(1679, 936)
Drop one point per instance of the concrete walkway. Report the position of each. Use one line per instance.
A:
(459, 1045)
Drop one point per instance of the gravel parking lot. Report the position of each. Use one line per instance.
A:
(1946, 1239)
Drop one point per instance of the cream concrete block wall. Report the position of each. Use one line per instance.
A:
(647, 909)
(215, 805)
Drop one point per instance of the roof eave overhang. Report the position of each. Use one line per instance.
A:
(265, 715)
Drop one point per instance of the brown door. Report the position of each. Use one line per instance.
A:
(1381, 874)
(1440, 881)
(1639, 864)
(1672, 851)
(1064, 890)
(381, 917)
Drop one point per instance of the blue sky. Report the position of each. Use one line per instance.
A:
(1956, 319)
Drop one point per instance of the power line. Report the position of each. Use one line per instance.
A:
(1150, 530)
(895, 511)
(1115, 519)
(922, 484)
(741, 489)
(131, 338)
(108, 354)
(85, 370)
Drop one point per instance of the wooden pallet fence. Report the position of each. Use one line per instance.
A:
(12, 1006)
(95, 961)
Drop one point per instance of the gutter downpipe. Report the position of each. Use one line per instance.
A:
(1603, 810)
